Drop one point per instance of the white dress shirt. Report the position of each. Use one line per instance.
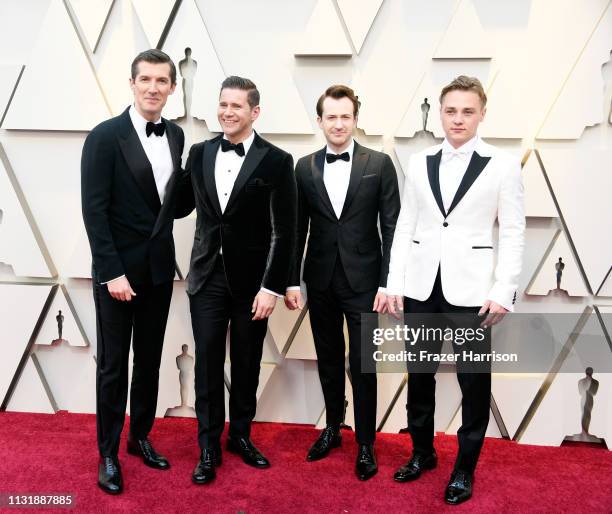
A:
(453, 166)
(227, 167)
(336, 176)
(157, 151)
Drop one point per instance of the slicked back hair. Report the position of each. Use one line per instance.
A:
(236, 82)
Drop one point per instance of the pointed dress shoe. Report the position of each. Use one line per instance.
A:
(415, 466)
(330, 437)
(204, 471)
(244, 447)
(109, 475)
(143, 448)
(365, 466)
(459, 488)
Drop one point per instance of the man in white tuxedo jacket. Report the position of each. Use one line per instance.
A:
(443, 261)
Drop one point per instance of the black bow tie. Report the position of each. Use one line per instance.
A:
(333, 157)
(155, 128)
(226, 146)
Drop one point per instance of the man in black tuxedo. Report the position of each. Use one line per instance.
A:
(129, 171)
(344, 190)
(245, 196)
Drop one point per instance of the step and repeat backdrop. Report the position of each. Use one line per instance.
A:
(547, 69)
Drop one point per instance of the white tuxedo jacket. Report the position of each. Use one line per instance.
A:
(473, 267)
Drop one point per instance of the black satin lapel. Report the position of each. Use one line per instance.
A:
(317, 164)
(139, 165)
(433, 173)
(208, 171)
(251, 161)
(477, 164)
(360, 159)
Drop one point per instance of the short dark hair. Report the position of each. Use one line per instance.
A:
(156, 57)
(465, 83)
(236, 82)
(338, 91)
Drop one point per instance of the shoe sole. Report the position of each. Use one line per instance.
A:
(457, 502)
(416, 477)
(108, 491)
(136, 453)
(322, 456)
(231, 449)
(202, 482)
(363, 478)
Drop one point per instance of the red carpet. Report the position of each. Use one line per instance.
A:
(57, 454)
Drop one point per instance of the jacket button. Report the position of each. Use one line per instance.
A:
(445, 224)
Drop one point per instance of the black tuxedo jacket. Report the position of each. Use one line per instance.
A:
(256, 230)
(129, 230)
(372, 194)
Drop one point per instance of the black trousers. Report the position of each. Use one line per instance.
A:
(142, 320)
(327, 309)
(475, 391)
(212, 309)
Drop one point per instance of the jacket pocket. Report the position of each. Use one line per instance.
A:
(482, 248)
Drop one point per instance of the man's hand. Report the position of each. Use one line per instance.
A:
(263, 305)
(120, 289)
(380, 303)
(395, 305)
(293, 299)
(496, 313)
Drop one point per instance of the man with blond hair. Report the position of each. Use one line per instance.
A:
(443, 261)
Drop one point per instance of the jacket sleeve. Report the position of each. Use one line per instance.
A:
(511, 219)
(97, 170)
(283, 214)
(185, 200)
(303, 220)
(404, 230)
(388, 211)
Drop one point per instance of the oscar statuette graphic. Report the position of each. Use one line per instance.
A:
(587, 387)
(185, 364)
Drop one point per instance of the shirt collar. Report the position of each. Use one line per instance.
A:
(140, 124)
(247, 142)
(350, 148)
(465, 149)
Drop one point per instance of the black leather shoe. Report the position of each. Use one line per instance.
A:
(415, 466)
(109, 475)
(366, 466)
(459, 488)
(329, 438)
(204, 471)
(143, 448)
(247, 450)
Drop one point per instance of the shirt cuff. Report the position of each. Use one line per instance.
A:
(112, 280)
(382, 290)
(271, 292)
(294, 288)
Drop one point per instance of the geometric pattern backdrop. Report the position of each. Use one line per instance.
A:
(64, 67)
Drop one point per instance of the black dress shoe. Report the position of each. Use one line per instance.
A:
(204, 471)
(144, 449)
(366, 466)
(109, 475)
(415, 466)
(459, 488)
(329, 438)
(247, 450)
